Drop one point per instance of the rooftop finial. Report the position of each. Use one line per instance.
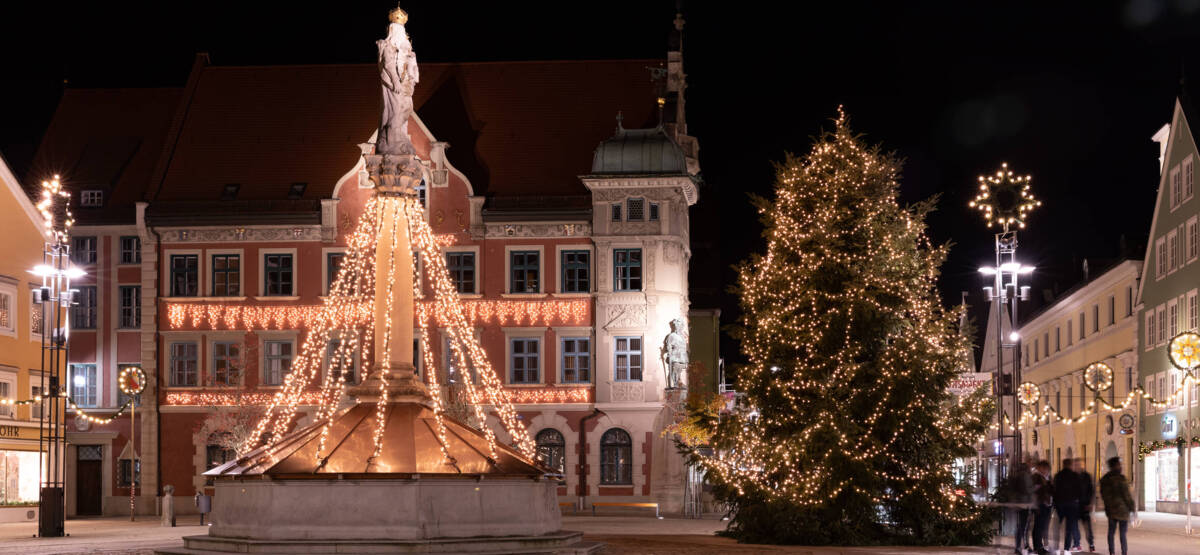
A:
(620, 118)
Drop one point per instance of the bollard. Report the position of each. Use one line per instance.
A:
(168, 506)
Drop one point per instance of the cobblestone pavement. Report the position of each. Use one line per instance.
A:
(1161, 534)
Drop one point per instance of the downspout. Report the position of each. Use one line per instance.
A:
(583, 457)
(157, 353)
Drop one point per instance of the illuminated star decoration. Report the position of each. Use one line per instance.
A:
(1185, 351)
(1098, 376)
(1005, 198)
(1028, 393)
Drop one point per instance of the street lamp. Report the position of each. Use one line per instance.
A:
(1098, 377)
(54, 299)
(1005, 199)
(1184, 352)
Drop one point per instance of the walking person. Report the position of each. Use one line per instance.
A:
(1043, 496)
(1118, 504)
(1086, 502)
(1021, 486)
(1067, 492)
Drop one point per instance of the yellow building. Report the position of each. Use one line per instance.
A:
(21, 243)
(1096, 322)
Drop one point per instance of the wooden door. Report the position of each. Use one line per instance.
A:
(88, 476)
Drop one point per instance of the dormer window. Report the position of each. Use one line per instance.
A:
(230, 191)
(636, 209)
(91, 197)
(296, 191)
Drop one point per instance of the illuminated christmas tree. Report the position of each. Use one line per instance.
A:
(848, 435)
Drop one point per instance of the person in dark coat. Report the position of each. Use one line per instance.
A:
(1043, 496)
(1021, 484)
(1086, 501)
(1118, 504)
(1067, 493)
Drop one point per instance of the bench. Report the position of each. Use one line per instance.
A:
(570, 504)
(640, 505)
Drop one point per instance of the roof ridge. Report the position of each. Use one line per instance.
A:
(482, 62)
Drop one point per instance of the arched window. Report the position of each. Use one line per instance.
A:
(616, 458)
(552, 450)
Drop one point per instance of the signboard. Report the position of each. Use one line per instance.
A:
(967, 382)
(1169, 426)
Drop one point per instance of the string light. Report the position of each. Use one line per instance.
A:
(1005, 198)
(478, 312)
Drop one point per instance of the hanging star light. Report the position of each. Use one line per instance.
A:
(1184, 351)
(1005, 198)
(1098, 376)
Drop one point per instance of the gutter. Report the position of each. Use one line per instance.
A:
(583, 456)
(157, 352)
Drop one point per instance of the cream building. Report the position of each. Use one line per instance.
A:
(1096, 322)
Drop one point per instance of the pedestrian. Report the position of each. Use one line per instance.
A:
(1021, 487)
(1043, 496)
(1118, 504)
(1067, 492)
(1086, 501)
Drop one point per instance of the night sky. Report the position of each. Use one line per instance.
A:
(1068, 92)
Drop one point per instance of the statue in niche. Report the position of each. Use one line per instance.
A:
(398, 75)
(675, 355)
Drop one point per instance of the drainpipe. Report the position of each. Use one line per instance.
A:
(583, 457)
(157, 354)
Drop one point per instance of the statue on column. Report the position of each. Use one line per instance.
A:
(675, 355)
(398, 75)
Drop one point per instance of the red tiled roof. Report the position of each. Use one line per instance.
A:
(514, 128)
(106, 139)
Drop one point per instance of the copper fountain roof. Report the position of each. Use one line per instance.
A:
(410, 446)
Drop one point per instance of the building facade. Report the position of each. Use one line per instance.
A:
(1095, 322)
(1170, 424)
(572, 258)
(20, 351)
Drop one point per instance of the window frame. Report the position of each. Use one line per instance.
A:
(129, 255)
(555, 448)
(629, 209)
(623, 278)
(77, 254)
(173, 356)
(291, 269)
(172, 272)
(91, 384)
(10, 312)
(84, 311)
(1186, 168)
(616, 212)
(268, 357)
(618, 470)
(526, 356)
(575, 356)
(618, 352)
(1172, 251)
(454, 270)
(129, 316)
(91, 198)
(230, 360)
(510, 251)
(1160, 258)
(239, 273)
(8, 381)
(564, 270)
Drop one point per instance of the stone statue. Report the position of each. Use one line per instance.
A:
(398, 75)
(675, 355)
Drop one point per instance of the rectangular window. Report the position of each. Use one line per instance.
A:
(1027, 355)
(1160, 253)
(1037, 353)
(1070, 332)
(576, 271)
(1176, 188)
(84, 385)
(627, 269)
(627, 359)
(1070, 402)
(183, 365)
(185, 275)
(35, 409)
(1189, 185)
(277, 361)
(1162, 324)
(1095, 318)
(1112, 309)
(342, 362)
(1193, 314)
(1151, 334)
(226, 275)
(1172, 251)
(616, 212)
(83, 250)
(635, 209)
(227, 365)
(654, 211)
(127, 474)
(7, 410)
(1057, 339)
(8, 311)
(131, 306)
(1081, 325)
(524, 268)
(131, 250)
(524, 360)
(1129, 301)
(333, 264)
(461, 266)
(277, 272)
(1193, 238)
(91, 197)
(576, 360)
(1046, 345)
(83, 312)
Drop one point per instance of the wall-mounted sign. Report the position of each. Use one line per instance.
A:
(10, 431)
(1126, 422)
(967, 382)
(1170, 426)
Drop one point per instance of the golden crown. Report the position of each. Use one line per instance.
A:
(398, 16)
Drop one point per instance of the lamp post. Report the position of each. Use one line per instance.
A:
(54, 299)
(132, 381)
(1098, 377)
(1184, 352)
(1004, 199)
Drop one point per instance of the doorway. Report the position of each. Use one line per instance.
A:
(88, 479)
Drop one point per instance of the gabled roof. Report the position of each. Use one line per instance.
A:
(514, 128)
(107, 139)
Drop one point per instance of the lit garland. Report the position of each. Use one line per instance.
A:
(51, 191)
(1098, 376)
(1048, 413)
(523, 396)
(229, 316)
(1005, 198)
(230, 399)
